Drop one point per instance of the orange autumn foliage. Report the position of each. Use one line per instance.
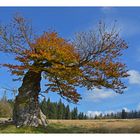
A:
(90, 61)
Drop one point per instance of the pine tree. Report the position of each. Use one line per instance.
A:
(138, 114)
(124, 114)
(135, 114)
(81, 116)
(52, 111)
(96, 117)
(67, 113)
(60, 110)
(74, 113)
(85, 117)
(64, 111)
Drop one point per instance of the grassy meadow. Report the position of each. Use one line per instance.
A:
(79, 126)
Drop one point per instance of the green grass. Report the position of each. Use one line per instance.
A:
(51, 128)
(78, 126)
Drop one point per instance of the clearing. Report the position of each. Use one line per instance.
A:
(78, 126)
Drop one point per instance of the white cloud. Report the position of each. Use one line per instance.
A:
(92, 114)
(126, 109)
(138, 107)
(134, 77)
(99, 94)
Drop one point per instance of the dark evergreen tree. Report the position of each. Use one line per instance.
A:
(64, 111)
(85, 117)
(74, 113)
(124, 114)
(60, 110)
(81, 116)
(135, 114)
(100, 116)
(52, 111)
(138, 114)
(67, 113)
(96, 117)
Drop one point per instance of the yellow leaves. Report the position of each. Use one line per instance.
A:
(55, 51)
(52, 47)
(49, 48)
(65, 69)
(88, 61)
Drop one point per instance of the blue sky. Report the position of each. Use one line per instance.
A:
(67, 21)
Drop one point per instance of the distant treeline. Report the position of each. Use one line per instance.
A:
(58, 110)
(54, 110)
(119, 115)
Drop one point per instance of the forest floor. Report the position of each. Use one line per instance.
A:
(78, 126)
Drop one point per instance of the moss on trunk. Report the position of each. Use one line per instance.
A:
(26, 109)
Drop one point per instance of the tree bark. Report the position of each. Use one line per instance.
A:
(26, 109)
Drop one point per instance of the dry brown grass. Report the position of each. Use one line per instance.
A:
(78, 126)
(103, 126)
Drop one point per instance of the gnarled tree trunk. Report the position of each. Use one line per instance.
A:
(26, 109)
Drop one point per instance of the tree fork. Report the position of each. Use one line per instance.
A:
(26, 109)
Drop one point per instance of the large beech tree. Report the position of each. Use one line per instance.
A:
(90, 60)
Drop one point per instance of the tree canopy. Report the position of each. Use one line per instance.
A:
(90, 60)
